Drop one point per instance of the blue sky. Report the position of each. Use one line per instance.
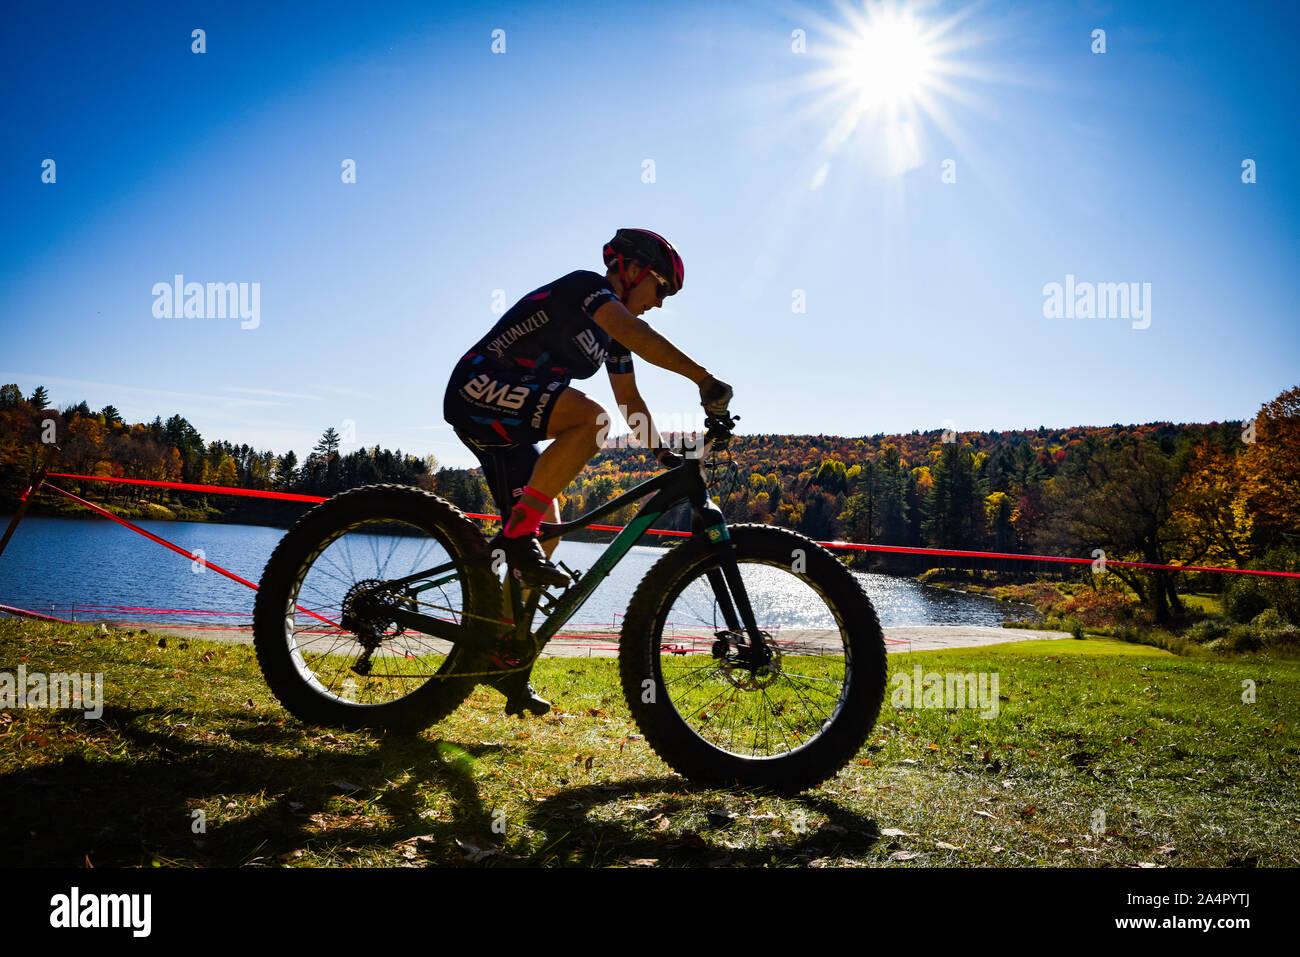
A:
(481, 171)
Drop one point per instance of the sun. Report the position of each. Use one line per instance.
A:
(887, 72)
(889, 61)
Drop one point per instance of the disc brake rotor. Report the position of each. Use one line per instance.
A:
(731, 651)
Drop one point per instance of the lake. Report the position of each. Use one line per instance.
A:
(97, 570)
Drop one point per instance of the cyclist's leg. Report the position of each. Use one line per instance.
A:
(573, 420)
(575, 423)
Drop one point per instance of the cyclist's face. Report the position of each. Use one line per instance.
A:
(645, 294)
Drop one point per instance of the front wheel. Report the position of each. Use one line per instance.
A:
(786, 719)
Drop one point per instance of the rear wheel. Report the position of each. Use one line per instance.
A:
(722, 713)
(326, 641)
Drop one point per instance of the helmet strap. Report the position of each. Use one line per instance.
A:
(629, 286)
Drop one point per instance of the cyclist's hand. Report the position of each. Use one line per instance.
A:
(668, 458)
(715, 396)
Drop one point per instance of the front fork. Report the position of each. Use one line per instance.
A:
(728, 588)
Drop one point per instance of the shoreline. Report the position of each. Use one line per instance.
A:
(603, 643)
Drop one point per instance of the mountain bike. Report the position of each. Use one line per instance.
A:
(749, 655)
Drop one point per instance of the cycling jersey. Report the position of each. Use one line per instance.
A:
(502, 392)
(551, 331)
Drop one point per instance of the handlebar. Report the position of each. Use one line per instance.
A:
(717, 435)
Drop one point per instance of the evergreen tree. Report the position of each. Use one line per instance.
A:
(954, 513)
(328, 445)
(891, 507)
(286, 471)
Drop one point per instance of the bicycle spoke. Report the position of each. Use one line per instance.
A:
(729, 701)
(399, 661)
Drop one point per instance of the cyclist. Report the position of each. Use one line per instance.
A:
(511, 390)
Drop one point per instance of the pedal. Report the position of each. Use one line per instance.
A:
(576, 576)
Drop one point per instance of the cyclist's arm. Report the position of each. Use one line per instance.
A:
(631, 405)
(638, 336)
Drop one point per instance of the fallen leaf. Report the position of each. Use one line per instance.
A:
(895, 832)
(474, 852)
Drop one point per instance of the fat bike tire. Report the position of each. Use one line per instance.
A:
(811, 711)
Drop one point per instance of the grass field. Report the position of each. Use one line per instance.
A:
(1101, 754)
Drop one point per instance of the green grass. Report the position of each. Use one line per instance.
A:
(1085, 646)
(1205, 604)
(1183, 771)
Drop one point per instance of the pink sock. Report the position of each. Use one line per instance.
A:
(524, 518)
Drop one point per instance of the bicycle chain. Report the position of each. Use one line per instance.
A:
(495, 672)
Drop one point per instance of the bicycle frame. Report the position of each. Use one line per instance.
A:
(685, 482)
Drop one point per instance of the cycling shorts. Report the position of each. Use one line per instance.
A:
(500, 405)
(501, 415)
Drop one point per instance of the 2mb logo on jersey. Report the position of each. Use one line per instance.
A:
(487, 390)
(586, 339)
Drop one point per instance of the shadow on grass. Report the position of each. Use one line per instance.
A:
(574, 837)
(279, 796)
(276, 792)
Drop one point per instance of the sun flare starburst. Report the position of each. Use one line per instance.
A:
(887, 68)
(889, 62)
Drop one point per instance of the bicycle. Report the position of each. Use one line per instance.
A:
(722, 692)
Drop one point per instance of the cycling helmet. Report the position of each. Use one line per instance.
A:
(649, 248)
